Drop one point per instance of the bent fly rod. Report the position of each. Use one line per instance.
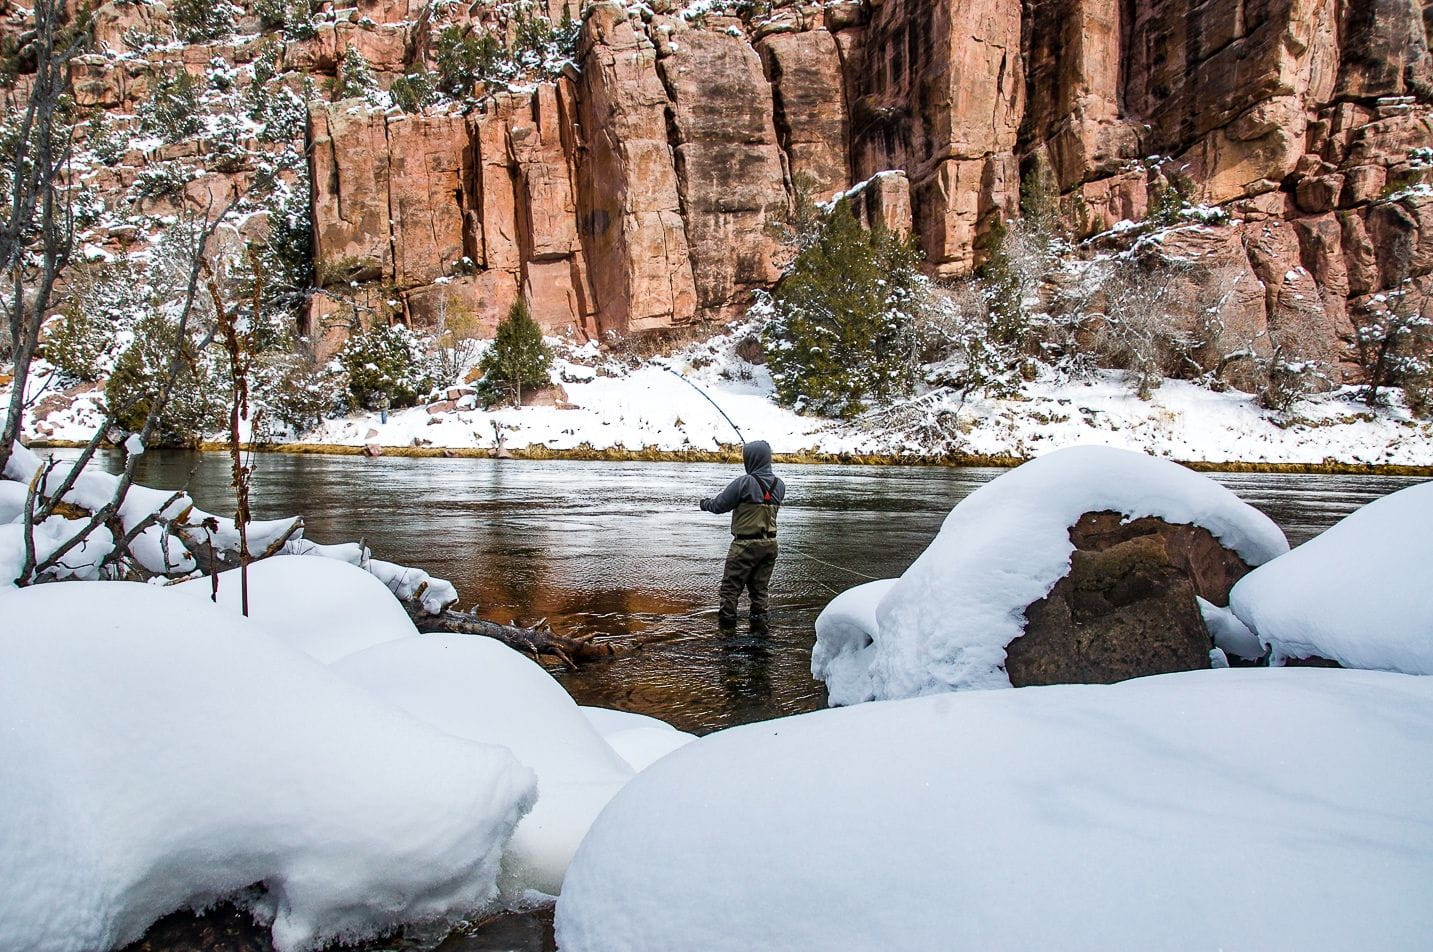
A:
(706, 396)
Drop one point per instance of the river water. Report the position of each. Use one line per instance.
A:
(621, 549)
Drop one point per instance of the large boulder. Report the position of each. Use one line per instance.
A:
(1127, 607)
(949, 621)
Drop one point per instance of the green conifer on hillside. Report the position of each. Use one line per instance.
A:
(840, 335)
(518, 358)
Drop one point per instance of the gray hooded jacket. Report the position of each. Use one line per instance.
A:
(753, 487)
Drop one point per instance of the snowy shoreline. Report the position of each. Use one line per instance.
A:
(732, 454)
(687, 406)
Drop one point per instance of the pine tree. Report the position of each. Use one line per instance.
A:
(355, 77)
(517, 357)
(841, 328)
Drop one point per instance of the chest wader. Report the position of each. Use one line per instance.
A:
(750, 560)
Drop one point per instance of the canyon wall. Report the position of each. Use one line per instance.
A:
(639, 191)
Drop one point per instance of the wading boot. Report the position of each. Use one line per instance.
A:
(760, 623)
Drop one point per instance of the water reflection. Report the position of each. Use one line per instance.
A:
(621, 549)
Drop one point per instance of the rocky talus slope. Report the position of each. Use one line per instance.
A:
(637, 189)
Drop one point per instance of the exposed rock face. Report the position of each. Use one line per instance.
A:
(635, 192)
(729, 171)
(1127, 607)
(630, 210)
(809, 107)
(405, 199)
(942, 91)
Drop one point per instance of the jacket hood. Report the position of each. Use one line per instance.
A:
(756, 457)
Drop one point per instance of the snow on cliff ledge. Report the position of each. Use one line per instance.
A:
(1360, 594)
(944, 624)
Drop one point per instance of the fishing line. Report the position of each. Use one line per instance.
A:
(706, 397)
(806, 555)
(839, 568)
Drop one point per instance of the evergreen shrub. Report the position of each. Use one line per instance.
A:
(387, 364)
(840, 332)
(517, 358)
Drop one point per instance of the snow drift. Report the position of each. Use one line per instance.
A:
(482, 690)
(945, 623)
(324, 607)
(157, 752)
(1276, 809)
(1358, 594)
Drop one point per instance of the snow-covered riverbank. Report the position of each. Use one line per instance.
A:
(624, 405)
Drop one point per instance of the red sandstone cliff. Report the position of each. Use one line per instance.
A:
(636, 192)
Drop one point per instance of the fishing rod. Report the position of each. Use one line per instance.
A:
(706, 396)
(806, 555)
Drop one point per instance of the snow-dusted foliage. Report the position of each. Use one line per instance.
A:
(1394, 344)
(158, 752)
(840, 328)
(1357, 594)
(1258, 809)
(388, 367)
(945, 623)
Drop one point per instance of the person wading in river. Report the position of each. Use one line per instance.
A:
(752, 500)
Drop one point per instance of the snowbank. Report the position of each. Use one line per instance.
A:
(844, 642)
(1140, 816)
(323, 607)
(156, 752)
(1358, 594)
(1230, 634)
(637, 738)
(482, 690)
(944, 624)
(607, 721)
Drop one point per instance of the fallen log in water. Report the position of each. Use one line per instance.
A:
(534, 641)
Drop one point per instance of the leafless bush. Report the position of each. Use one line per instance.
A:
(1394, 346)
(456, 338)
(1138, 330)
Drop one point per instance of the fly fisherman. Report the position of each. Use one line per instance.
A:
(752, 500)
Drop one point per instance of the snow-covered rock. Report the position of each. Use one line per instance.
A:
(1248, 809)
(482, 690)
(323, 607)
(157, 752)
(1230, 634)
(639, 739)
(1361, 593)
(945, 623)
(845, 642)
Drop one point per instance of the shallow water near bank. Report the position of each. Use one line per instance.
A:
(621, 549)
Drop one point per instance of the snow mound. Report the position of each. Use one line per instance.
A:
(1137, 816)
(639, 739)
(1358, 594)
(945, 623)
(323, 607)
(156, 753)
(642, 747)
(608, 721)
(482, 690)
(1230, 635)
(844, 643)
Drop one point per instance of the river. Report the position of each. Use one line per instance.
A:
(622, 549)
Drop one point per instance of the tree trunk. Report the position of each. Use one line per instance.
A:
(531, 641)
